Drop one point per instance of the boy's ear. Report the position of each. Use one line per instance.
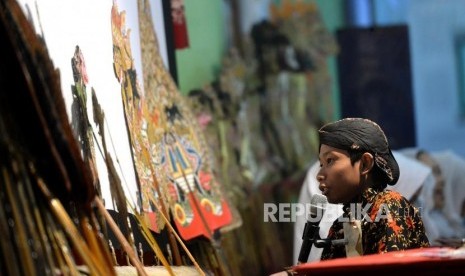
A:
(366, 163)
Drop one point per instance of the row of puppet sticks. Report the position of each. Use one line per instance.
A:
(51, 216)
(40, 237)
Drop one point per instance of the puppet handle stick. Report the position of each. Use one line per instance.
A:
(154, 201)
(124, 243)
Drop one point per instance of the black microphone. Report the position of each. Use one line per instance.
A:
(311, 231)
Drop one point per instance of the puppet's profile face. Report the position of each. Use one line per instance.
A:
(339, 179)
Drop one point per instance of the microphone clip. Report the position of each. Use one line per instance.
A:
(325, 243)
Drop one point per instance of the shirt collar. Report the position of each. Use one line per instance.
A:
(367, 196)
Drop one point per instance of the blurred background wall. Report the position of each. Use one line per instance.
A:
(435, 32)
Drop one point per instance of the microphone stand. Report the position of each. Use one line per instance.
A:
(311, 232)
(311, 236)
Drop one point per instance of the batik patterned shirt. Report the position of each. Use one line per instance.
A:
(389, 223)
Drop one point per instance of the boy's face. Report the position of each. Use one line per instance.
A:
(339, 179)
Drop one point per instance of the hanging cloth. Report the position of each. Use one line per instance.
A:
(181, 37)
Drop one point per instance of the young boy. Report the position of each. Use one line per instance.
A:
(356, 165)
